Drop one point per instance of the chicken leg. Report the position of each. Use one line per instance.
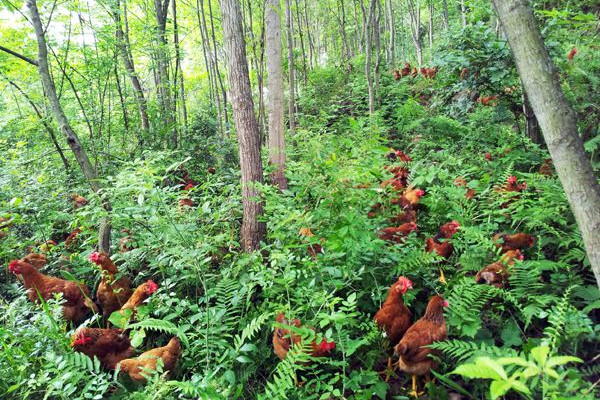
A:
(442, 277)
(389, 370)
(414, 393)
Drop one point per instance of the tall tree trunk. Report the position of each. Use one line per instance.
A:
(557, 120)
(216, 59)
(72, 139)
(275, 90)
(179, 91)
(392, 32)
(291, 79)
(301, 36)
(125, 52)
(122, 100)
(210, 70)
(463, 13)
(368, 36)
(311, 46)
(377, 37)
(253, 230)
(445, 15)
(431, 11)
(162, 60)
(414, 11)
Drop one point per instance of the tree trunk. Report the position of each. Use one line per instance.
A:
(216, 60)
(431, 11)
(377, 37)
(162, 60)
(275, 90)
(557, 120)
(368, 51)
(125, 52)
(463, 13)
(253, 230)
(445, 7)
(415, 24)
(291, 79)
(72, 139)
(392, 31)
(532, 128)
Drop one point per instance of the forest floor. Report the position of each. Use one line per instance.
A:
(323, 261)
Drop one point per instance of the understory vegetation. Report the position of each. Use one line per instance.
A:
(536, 338)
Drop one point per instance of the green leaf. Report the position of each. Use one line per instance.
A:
(243, 359)
(120, 318)
(520, 386)
(484, 368)
(561, 360)
(540, 354)
(137, 338)
(499, 388)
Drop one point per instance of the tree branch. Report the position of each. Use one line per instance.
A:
(22, 57)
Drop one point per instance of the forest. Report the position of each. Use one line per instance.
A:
(294, 199)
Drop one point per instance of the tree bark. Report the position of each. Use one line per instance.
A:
(253, 230)
(162, 60)
(414, 12)
(291, 79)
(463, 13)
(125, 52)
(445, 7)
(275, 90)
(72, 139)
(368, 51)
(557, 120)
(392, 32)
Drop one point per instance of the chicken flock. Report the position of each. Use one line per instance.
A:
(405, 340)
(408, 341)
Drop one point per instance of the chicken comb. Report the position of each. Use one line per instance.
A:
(13, 265)
(327, 346)
(511, 179)
(94, 257)
(151, 286)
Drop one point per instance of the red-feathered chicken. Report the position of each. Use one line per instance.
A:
(139, 368)
(413, 356)
(284, 339)
(513, 186)
(78, 201)
(36, 259)
(410, 198)
(112, 293)
(185, 204)
(546, 168)
(406, 70)
(394, 318)
(140, 294)
(396, 75)
(496, 274)
(414, 72)
(517, 241)
(109, 345)
(442, 248)
(464, 73)
(397, 234)
(409, 215)
(71, 240)
(78, 303)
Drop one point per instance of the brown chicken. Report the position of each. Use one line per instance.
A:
(513, 186)
(409, 215)
(517, 241)
(546, 168)
(496, 274)
(139, 368)
(413, 356)
(126, 243)
(36, 259)
(109, 345)
(443, 249)
(394, 317)
(185, 204)
(284, 339)
(409, 199)
(77, 296)
(72, 239)
(78, 201)
(464, 73)
(397, 234)
(141, 293)
(406, 70)
(112, 293)
(396, 75)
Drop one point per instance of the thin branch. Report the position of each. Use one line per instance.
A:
(22, 57)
